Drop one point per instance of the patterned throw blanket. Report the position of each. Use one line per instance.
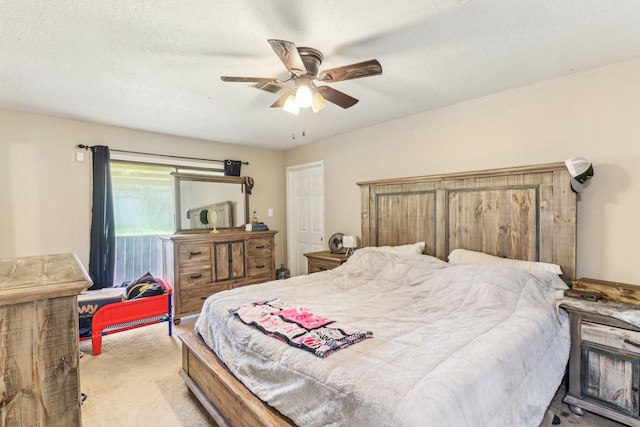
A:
(299, 327)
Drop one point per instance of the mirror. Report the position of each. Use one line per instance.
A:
(199, 195)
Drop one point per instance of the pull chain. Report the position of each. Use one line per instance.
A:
(293, 125)
(293, 128)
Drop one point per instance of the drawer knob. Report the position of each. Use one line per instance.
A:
(260, 247)
(194, 253)
(628, 341)
(322, 268)
(260, 266)
(195, 276)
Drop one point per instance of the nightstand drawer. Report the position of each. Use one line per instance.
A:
(321, 265)
(610, 336)
(323, 261)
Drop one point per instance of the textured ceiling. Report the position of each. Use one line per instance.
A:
(155, 65)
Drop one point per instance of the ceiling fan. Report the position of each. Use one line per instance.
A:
(303, 64)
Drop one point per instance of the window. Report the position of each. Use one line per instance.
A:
(143, 199)
(143, 207)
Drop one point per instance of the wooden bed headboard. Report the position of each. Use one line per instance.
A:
(526, 213)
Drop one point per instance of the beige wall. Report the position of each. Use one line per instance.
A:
(45, 192)
(594, 114)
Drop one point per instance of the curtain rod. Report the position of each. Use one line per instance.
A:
(87, 147)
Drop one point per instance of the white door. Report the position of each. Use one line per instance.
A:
(305, 213)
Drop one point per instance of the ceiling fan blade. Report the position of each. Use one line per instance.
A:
(269, 87)
(250, 79)
(339, 98)
(288, 54)
(353, 71)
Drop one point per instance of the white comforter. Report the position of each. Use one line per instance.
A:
(453, 345)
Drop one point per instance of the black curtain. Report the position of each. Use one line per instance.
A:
(103, 235)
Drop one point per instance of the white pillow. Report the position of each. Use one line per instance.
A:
(464, 256)
(414, 248)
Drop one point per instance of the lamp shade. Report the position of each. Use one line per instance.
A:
(291, 106)
(581, 171)
(349, 242)
(304, 96)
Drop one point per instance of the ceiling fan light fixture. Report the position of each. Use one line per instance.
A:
(304, 96)
(291, 106)
(318, 102)
(303, 64)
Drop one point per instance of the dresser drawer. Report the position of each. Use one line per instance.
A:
(260, 266)
(252, 281)
(259, 247)
(191, 300)
(194, 253)
(621, 339)
(192, 278)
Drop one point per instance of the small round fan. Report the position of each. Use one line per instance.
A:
(335, 244)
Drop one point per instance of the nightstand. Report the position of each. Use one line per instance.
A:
(604, 362)
(324, 260)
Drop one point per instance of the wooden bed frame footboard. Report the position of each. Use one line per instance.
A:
(224, 397)
(524, 213)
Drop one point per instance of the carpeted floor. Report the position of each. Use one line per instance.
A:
(135, 382)
(567, 418)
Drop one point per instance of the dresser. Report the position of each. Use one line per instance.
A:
(39, 340)
(324, 260)
(200, 264)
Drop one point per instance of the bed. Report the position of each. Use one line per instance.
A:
(131, 314)
(488, 349)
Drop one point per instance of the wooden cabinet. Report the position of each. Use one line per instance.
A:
(604, 364)
(39, 351)
(324, 260)
(200, 264)
(229, 260)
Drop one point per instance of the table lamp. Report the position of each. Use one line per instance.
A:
(349, 243)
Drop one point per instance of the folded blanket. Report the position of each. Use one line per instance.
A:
(299, 327)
